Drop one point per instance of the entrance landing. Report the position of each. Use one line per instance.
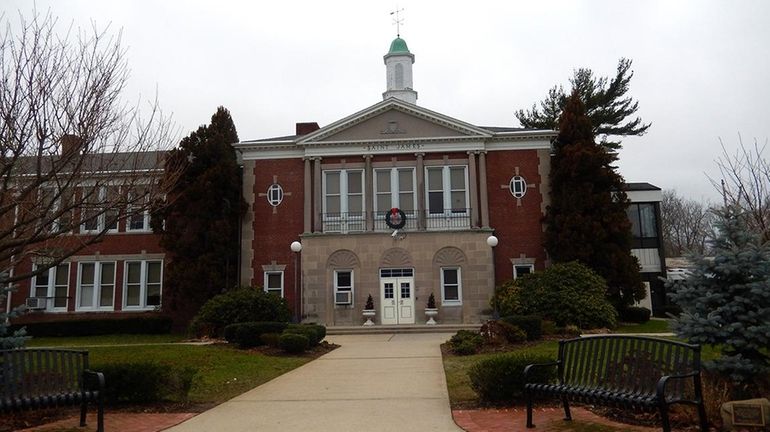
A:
(398, 329)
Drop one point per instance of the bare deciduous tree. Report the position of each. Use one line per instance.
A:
(686, 224)
(75, 158)
(745, 183)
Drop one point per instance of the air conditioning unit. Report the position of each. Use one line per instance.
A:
(36, 302)
(343, 298)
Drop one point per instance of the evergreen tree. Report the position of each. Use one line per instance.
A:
(726, 300)
(10, 339)
(199, 224)
(586, 220)
(605, 100)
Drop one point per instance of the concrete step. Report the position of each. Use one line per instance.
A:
(408, 328)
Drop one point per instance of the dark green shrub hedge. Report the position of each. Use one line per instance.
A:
(293, 343)
(531, 324)
(315, 333)
(248, 334)
(634, 314)
(270, 339)
(465, 342)
(99, 326)
(567, 293)
(238, 306)
(501, 378)
(145, 382)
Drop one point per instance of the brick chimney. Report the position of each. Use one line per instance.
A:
(306, 128)
(71, 144)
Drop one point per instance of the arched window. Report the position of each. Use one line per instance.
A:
(274, 194)
(518, 186)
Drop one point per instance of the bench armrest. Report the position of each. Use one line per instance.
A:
(93, 380)
(537, 365)
(661, 388)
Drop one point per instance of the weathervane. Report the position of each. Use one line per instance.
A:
(397, 20)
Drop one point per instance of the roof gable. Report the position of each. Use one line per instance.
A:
(393, 119)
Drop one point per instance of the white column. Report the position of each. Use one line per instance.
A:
(483, 189)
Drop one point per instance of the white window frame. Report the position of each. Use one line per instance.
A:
(350, 289)
(277, 190)
(521, 182)
(395, 189)
(446, 185)
(97, 286)
(452, 302)
(145, 217)
(143, 270)
(101, 219)
(516, 273)
(51, 288)
(273, 290)
(344, 221)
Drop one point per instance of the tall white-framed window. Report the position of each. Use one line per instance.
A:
(520, 270)
(447, 191)
(343, 203)
(343, 287)
(94, 216)
(53, 285)
(395, 187)
(138, 212)
(96, 286)
(451, 286)
(274, 283)
(143, 285)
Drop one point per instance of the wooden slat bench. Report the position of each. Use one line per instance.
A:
(631, 372)
(49, 378)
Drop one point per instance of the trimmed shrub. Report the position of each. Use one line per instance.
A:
(293, 343)
(238, 306)
(270, 339)
(314, 333)
(230, 331)
(567, 293)
(98, 326)
(498, 332)
(513, 333)
(501, 378)
(549, 327)
(465, 342)
(571, 331)
(146, 382)
(635, 314)
(506, 298)
(531, 324)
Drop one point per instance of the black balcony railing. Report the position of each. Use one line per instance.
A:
(454, 219)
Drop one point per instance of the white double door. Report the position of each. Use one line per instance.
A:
(397, 299)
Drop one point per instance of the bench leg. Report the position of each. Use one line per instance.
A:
(529, 411)
(664, 417)
(100, 415)
(83, 406)
(567, 414)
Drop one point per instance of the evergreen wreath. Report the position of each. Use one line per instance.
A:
(395, 214)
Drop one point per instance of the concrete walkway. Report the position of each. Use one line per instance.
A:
(382, 382)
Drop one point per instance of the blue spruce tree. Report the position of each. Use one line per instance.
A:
(726, 301)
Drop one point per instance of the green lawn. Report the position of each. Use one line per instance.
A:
(223, 371)
(88, 341)
(651, 326)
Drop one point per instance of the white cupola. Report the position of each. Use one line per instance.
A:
(398, 68)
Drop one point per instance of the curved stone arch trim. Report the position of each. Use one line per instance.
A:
(448, 256)
(396, 257)
(343, 258)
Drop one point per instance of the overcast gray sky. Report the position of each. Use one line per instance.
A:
(702, 68)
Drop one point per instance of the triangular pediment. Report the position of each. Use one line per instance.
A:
(393, 119)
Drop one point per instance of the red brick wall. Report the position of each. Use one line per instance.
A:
(518, 228)
(274, 232)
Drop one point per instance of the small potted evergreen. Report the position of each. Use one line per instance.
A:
(369, 311)
(431, 310)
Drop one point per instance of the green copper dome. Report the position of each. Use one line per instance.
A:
(398, 46)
